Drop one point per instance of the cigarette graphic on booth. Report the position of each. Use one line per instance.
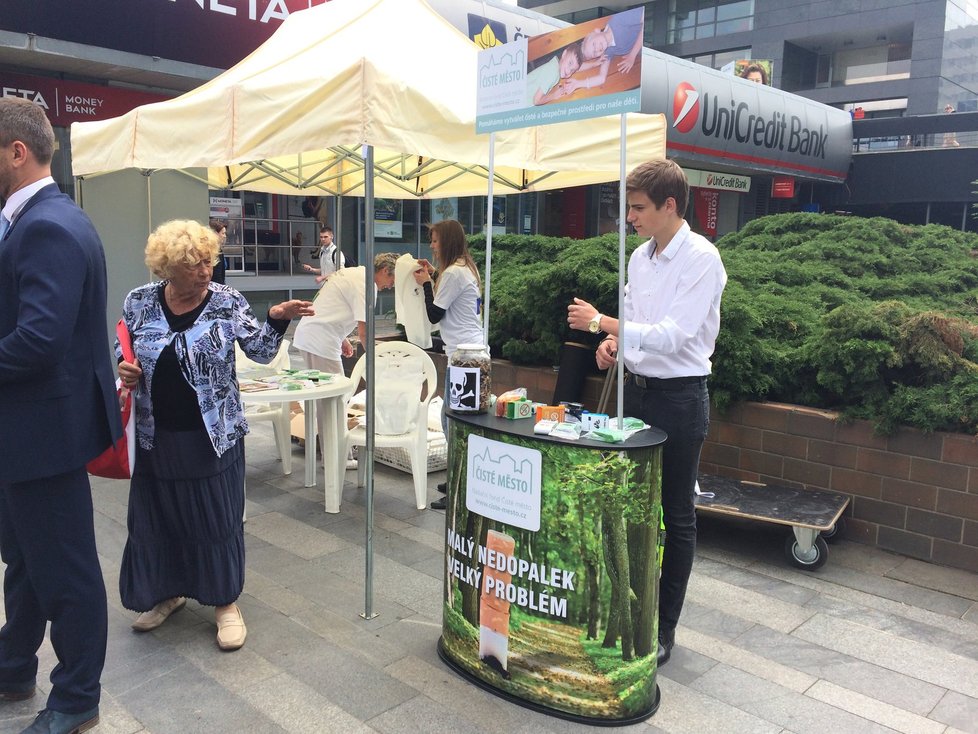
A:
(493, 610)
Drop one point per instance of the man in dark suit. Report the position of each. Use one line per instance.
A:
(58, 410)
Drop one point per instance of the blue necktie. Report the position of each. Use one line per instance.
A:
(4, 226)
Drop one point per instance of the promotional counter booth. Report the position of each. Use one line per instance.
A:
(552, 563)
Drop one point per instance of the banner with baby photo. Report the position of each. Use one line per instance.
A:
(592, 69)
(552, 561)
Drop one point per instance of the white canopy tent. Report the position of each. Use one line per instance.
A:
(291, 117)
(363, 98)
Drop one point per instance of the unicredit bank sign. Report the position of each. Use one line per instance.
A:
(714, 117)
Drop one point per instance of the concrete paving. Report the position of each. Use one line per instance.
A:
(872, 642)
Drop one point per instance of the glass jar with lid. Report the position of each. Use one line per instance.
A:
(469, 379)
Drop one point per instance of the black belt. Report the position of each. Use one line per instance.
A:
(666, 383)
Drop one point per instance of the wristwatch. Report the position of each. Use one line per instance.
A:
(594, 325)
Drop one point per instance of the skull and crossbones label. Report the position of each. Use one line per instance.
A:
(463, 388)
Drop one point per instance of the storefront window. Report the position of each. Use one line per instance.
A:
(689, 19)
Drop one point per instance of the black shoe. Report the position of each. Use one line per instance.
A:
(55, 722)
(438, 504)
(667, 638)
(442, 487)
(16, 691)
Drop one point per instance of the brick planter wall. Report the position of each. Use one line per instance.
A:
(913, 493)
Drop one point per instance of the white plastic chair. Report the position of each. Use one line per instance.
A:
(407, 373)
(277, 413)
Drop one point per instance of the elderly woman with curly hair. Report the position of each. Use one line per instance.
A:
(186, 499)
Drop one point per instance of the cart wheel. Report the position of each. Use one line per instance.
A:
(837, 531)
(819, 554)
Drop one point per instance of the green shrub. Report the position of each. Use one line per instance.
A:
(866, 316)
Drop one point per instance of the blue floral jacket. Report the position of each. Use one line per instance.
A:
(205, 352)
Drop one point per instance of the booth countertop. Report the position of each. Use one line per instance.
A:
(523, 427)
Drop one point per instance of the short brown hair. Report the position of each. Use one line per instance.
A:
(22, 120)
(659, 180)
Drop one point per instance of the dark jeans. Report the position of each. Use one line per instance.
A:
(684, 414)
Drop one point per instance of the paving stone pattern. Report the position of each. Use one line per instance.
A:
(873, 642)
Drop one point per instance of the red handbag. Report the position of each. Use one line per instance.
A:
(117, 461)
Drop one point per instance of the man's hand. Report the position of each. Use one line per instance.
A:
(606, 354)
(346, 348)
(580, 313)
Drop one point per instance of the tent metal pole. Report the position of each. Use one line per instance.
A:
(622, 225)
(368, 348)
(489, 223)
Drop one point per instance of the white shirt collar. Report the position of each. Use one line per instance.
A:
(22, 195)
(671, 249)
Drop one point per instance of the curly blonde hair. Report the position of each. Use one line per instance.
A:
(180, 242)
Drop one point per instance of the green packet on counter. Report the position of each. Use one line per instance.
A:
(613, 434)
(308, 375)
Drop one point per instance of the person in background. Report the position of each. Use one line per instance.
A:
(454, 302)
(339, 307)
(754, 73)
(297, 247)
(58, 410)
(950, 138)
(672, 317)
(186, 498)
(220, 267)
(331, 257)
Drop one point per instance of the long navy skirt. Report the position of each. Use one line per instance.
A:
(186, 536)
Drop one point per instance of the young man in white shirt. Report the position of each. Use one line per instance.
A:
(331, 256)
(672, 317)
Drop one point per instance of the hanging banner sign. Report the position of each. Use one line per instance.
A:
(588, 70)
(707, 203)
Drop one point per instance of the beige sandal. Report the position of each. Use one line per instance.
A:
(231, 630)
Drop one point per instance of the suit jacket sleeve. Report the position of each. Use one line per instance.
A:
(50, 273)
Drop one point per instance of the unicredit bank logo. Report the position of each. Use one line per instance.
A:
(685, 107)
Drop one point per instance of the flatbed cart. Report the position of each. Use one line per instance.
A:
(814, 516)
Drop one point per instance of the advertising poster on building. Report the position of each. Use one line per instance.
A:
(552, 565)
(388, 219)
(706, 205)
(755, 70)
(442, 209)
(588, 70)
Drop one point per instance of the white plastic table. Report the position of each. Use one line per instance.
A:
(332, 397)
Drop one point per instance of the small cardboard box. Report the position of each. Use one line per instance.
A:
(594, 421)
(516, 409)
(550, 413)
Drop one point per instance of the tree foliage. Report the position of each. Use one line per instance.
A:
(867, 316)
